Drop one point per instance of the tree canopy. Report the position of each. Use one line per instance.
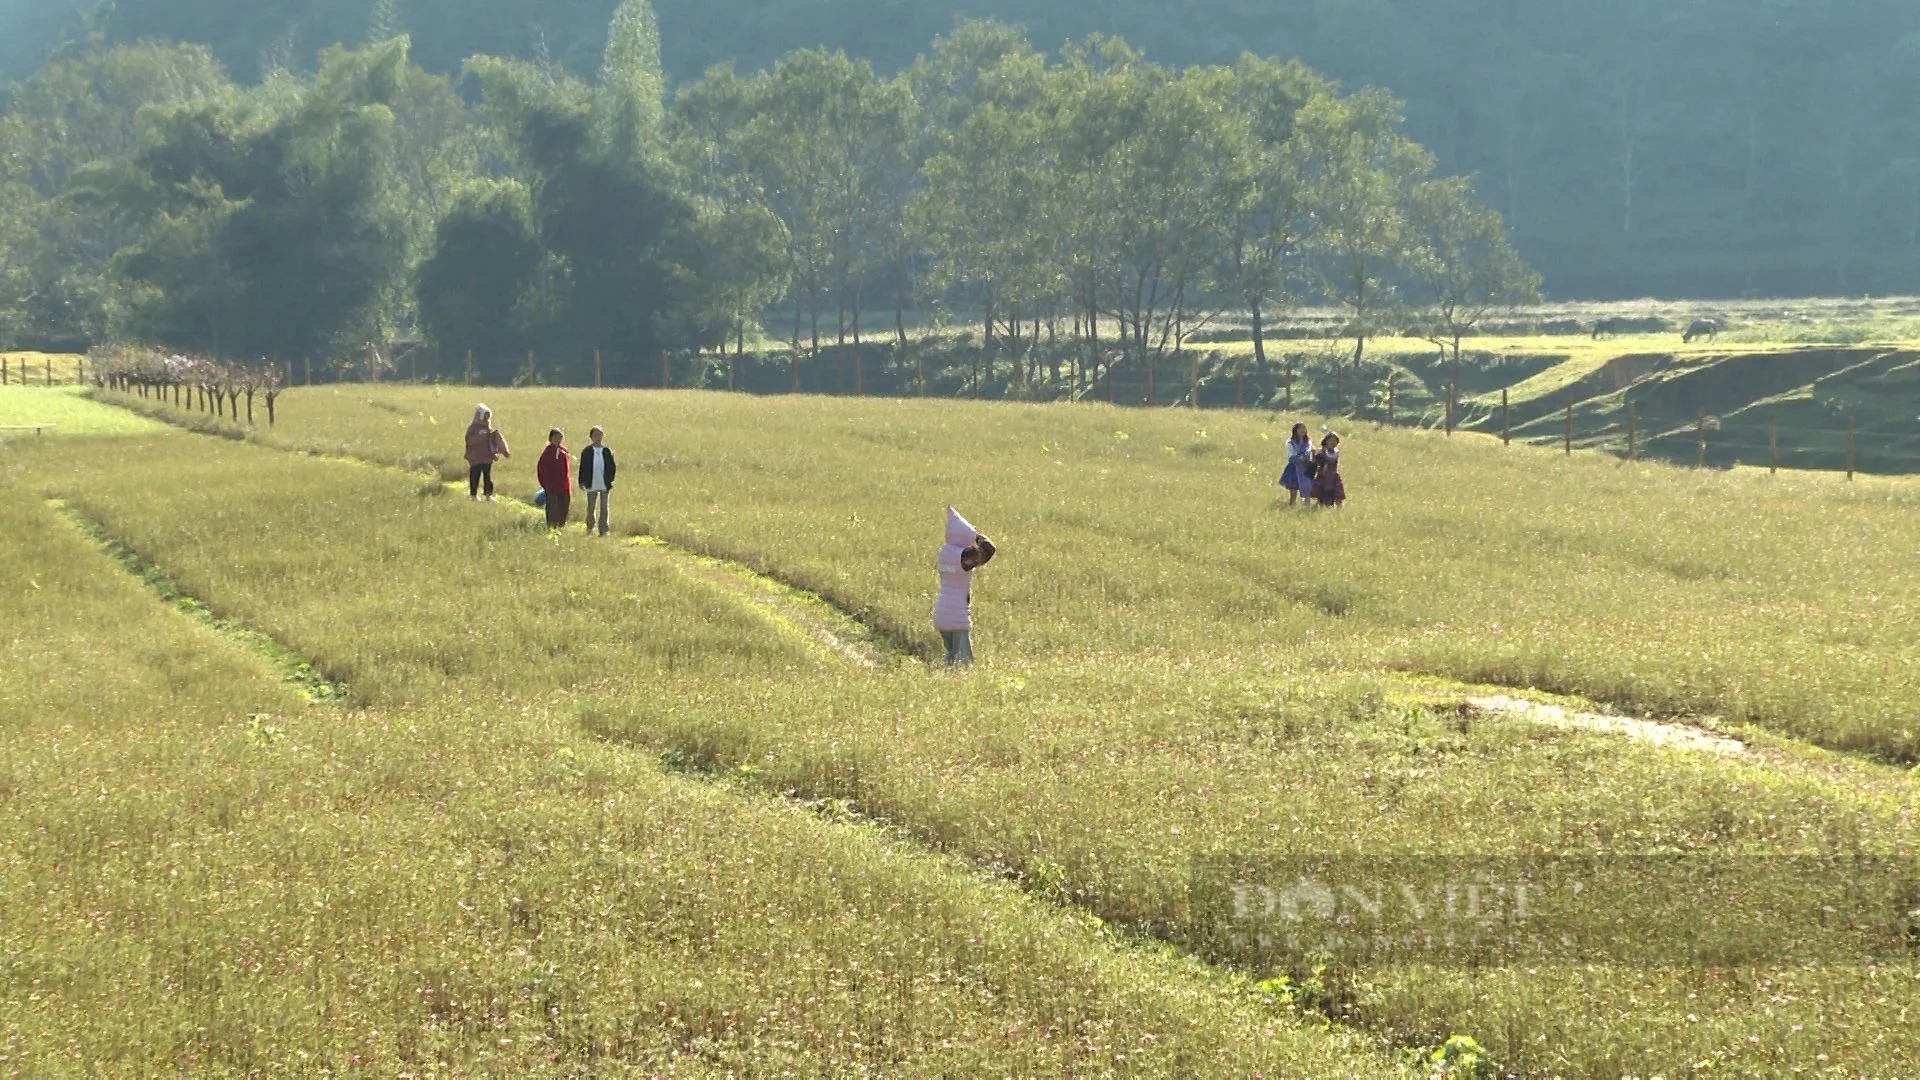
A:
(543, 218)
(1716, 147)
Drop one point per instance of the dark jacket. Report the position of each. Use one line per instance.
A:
(586, 465)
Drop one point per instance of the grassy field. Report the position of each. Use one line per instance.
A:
(1190, 696)
(65, 410)
(205, 874)
(1158, 533)
(32, 368)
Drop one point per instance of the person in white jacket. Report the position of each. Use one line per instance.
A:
(966, 550)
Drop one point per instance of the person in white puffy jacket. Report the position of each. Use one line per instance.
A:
(966, 550)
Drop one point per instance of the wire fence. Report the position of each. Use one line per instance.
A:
(1193, 379)
(1834, 440)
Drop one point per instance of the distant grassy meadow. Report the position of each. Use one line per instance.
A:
(584, 811)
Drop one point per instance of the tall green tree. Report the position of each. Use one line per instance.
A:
(985, 211)
(285, 219)
(1268, 205)
(1360, 170)
(616, 249)
(629, 100)
(476, 291)
(1464, 265)
(817, 143)
(66, 139)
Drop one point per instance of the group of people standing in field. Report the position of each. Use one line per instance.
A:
(1312, 476)
(555, 471)
(966, 548)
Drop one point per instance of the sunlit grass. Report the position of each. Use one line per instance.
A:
(1183, 685)
(202, 874)
(31, 368)
(66, 411)
(1780, 601)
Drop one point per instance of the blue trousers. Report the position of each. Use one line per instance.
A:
(959, 647)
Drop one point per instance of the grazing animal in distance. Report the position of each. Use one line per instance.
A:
(1608, 328)
(1702, 328)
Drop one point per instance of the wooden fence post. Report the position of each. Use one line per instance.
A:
(858, 377)
(1506, 417)
(1849, 448)
(49, 371)
(1633, 433)
(1240, 383)
(5, 375)
(309, 366)
(596, 369)
(1700, 426)
(1773, 444)
(1450, 401)
(1193, 381)
(469, 367)
(1569, 430)
(793, 369)
(1393, 389)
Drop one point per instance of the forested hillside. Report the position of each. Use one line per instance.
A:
(1106, 206)
(1705, 147)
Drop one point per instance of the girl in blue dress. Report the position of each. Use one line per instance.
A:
(1298, 477)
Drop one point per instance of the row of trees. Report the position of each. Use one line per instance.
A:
(1094, 193)
(191, 382)
(1092, 198)
(1635, 148)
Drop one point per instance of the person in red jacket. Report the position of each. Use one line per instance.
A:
(555, 472)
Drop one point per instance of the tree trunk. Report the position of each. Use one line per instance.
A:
(1259, 339)
(1016, 374)
(1456, 369)
(813, 313)
(1359, 365)
(1093, 347)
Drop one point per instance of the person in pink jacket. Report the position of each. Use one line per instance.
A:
(966, 550)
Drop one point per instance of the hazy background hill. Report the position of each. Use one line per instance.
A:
(1697, 147)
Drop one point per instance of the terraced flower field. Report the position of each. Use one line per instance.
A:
(1231, 791)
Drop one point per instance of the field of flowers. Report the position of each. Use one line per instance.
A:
(1214, 801)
